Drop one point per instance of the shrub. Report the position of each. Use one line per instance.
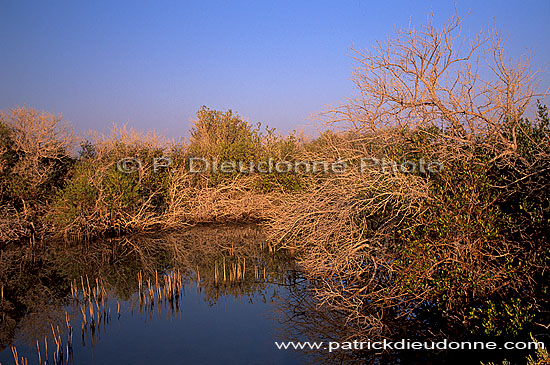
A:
(101, 199)
(416, 254)
(35, 159)
(224, 136)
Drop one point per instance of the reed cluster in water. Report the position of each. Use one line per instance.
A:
(61, 355)
(168, 290)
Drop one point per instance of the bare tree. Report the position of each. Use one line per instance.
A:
(39, 139)
(34, 155)
(437, 76)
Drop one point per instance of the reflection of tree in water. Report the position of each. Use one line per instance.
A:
(37, 283)
(34, 291)
(227, 263)
(38, 286)
(301, 317)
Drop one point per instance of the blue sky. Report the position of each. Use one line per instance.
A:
(152, 64)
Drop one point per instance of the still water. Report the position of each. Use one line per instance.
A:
(206, 296)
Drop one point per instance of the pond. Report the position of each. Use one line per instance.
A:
(205, 295)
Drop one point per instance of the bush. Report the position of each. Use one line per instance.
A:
(419, 254)
(34, 159)
(224, 136)
(101, 199)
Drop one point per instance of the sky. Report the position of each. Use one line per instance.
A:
(152, 64)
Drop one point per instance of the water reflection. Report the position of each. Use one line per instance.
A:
(206, 295)
(201, 295)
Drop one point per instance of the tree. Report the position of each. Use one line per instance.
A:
(437, 77)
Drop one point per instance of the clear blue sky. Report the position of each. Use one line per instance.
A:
(152, 64)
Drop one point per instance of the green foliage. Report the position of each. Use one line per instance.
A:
(279, 148)
(224, 136)
(286, 182)
(503, 317)
(77, 199)
(34, 164)
(9, 156)
(466, 251)
(527, 178)
(121, 190)
(87, 150)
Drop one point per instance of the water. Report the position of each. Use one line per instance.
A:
(235, 330)
(206, 295)
(223, 309)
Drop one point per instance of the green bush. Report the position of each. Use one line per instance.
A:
(77, 199)
(224, 136)
(504, 317)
